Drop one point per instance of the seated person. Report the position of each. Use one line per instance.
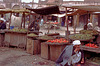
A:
(34, 26)
(2, 24)
(90, 26)
(71, 55)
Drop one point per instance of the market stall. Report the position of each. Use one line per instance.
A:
(53, 48)
(89, 44)
(16, 37)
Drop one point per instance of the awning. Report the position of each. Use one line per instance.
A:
(46, 10)
(91, 8)
(59, 15)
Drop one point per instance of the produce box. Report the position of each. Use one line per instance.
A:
(18, 30)
(45, 37)
(52, 34)
(81, 37)
(53, 48)
(33, 46)
(91, 49)
(45, 51)
(32, 35)
(92, 32)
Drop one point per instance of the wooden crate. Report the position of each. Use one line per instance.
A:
(33, 46)
(55, 51)
(18, 39)
(7, 39)
(45, 51)
(51, 51)
(2, 39)
(90, 49)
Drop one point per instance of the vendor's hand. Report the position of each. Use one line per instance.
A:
(82, 60)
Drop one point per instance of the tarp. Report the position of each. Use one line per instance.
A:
(15, 21)
(91, 8)
(59, 15)
(46, 10)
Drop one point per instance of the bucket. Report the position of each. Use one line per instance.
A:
(11, 27)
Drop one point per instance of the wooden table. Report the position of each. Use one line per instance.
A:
(18, 39)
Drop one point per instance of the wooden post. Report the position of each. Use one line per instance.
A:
(22, 21)
(99, 20)
(10, 20)
(75, 17)
(78, 19)
(29, 17)
(24, 18)
(91, 17)
(67, 24)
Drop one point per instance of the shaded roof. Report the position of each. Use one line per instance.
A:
(46, 10)
(51, 1)
(13, 11)
(93, 8)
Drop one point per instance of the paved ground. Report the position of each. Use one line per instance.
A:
(19, 57)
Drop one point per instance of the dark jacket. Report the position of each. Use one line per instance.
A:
(35, 25)
(3, 25)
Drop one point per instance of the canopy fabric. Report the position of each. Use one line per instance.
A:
(3, 11)
(59, 15)
(46, 10)
(93, 8)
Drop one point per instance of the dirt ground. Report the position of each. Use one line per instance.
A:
(19, 57)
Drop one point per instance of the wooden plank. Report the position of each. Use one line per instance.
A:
(22, 40)
(14, 39)
(37, 46)
(7, 39)
(1, 39)
(96, 50)
(10, 20)
(33, 46)
(29, 46)
(55, 51)
(45, 51)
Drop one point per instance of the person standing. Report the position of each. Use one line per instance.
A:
(41, 24)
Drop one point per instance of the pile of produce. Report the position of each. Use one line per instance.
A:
(18, 30)
(32, 35)
(92, 32)
(45, 37)
(81, 36)
(91, 45)
(61, 40)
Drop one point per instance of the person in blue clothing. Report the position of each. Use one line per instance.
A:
(2, 23)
